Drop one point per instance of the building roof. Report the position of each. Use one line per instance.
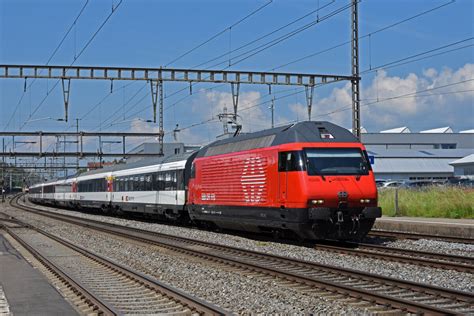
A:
(420, 153)
(397, 130)
(440, 130)
(412, 165)
(468, 131)
(463, 161)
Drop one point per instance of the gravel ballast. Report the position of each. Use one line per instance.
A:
(233, 291)
(439, 277)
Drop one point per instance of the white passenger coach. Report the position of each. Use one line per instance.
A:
(144, 187)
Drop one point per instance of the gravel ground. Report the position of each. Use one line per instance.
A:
(439, 277)
(236, 292)
(448, 248)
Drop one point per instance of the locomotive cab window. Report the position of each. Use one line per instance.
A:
(336, 161)
(291, 161)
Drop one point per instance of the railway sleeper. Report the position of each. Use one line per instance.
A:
(413, 296)
(458, 306)
(394, 292)
(435, 301)
(391, 312)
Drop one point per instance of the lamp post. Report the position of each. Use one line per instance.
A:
(2, 180)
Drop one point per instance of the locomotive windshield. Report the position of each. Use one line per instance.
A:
(335, 161)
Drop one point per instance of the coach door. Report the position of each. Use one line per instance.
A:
(167, 192)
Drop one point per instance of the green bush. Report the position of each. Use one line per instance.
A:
(447, 202)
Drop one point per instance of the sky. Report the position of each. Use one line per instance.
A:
(416, 62)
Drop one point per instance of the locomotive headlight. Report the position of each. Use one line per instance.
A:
(315, 202)
(364, 201)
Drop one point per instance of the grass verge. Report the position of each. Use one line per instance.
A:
(444, 202)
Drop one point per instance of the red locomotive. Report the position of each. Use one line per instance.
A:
(311, 179)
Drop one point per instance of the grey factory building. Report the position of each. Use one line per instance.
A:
(400, 154)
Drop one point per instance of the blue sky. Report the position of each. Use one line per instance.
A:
(424, 94)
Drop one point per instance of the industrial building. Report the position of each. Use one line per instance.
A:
(400, 154)
(464, 166)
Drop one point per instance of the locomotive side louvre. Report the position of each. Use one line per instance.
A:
(237, 179)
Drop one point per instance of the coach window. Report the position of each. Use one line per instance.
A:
(180, 179)
(168, 181)
(174, 179)
(160, 181)
(291, 161)
(142, 183)
(148, 184)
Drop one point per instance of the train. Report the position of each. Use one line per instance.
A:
(310, 180)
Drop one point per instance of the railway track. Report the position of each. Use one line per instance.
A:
(430, 259)
(378, 293)
(416, 236)
(100, 286)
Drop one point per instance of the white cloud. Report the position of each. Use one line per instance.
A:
(430, 107)
(299, 111)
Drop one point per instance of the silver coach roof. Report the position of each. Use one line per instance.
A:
(142, 163)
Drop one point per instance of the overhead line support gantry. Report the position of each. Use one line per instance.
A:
(157, 76)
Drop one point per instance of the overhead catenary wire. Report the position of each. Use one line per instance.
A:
(411, 94)
(263, 47)
(395, 63)
(93, 107)
(321, 51)
(219, 33)
(114, 9)
(406, 60)
(111, 117)
(279, 39)
(366, 35)
(48, 61)
(74, 60)
(223, 55)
